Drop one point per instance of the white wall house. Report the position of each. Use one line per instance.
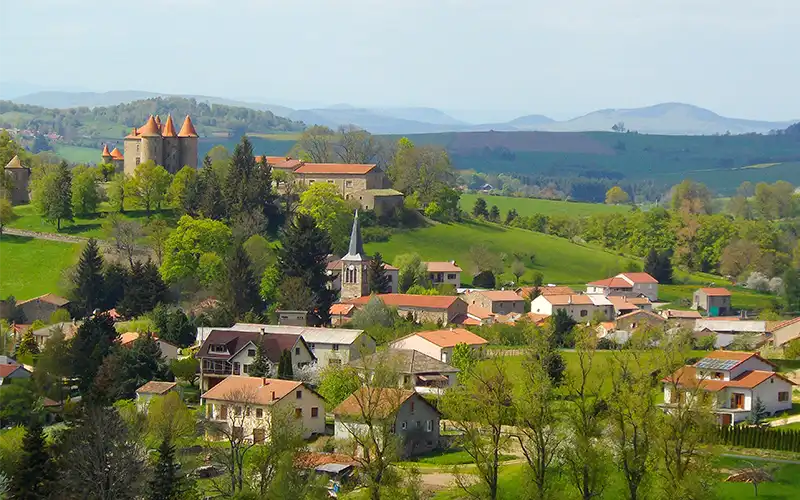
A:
(736, 380)
(626, 284)
(580, 307)
(439, 344)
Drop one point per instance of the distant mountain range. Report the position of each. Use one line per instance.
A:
(665, 118)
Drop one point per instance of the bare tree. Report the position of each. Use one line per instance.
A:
(479, 409)
(157, 233)
(284, 442)
(356, 145)
(316, 145)
(125, 234)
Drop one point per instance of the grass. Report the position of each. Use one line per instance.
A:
(532, 206)
(558, 259)
(742, 298)
(78, 154)
(445, 458)
(30, 268)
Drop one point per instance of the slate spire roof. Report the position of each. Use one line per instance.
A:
(356, 248)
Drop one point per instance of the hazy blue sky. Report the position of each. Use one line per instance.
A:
(556, 57)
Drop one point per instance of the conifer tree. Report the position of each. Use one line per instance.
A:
(208, 198)
(93, 341)
(249, 184)
(285, 370)
(241, 286)
(53, 195)
(143, 290)
(260, 365)
(88, 280)
(35, 475)
(165, 483)
(379, 281)
(304, 255)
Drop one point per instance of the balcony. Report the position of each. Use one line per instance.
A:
(217, 368)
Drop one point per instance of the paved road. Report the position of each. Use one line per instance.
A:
(783, 421)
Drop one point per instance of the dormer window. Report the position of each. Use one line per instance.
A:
(218, 348)
(719, 375)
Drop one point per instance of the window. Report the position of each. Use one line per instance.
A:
(223, 412)
(251, 353)
(259, 413)
(298, 395)
(429, 426)
(451, 276)
(298, 413)
(314, 412)
(218, 348)
(236, 367)
(719, 375)
(783, 396)
(406, 379)
(245, 368)
(335, 347)
(311, 182)
(247, 411)
(138, 160)
(238, 411)
(312, 346)
(296, 351)
(334, 361)
(403, 425)
(419, 424)
(584, 313)
(348, 183)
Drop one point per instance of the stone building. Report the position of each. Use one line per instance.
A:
(159, 143)
(20, 177)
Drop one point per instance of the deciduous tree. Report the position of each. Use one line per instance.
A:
(330, 211)
(616, 196)
(52, 193)
(86, 193)
(149, 185)
(188, 242)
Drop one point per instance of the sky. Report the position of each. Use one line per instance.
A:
(503, 57)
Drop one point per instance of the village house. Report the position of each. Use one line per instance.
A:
(365, 183)
(526, 292)
(496, 301)
(783, 332)
(728, 329)
(247, 405)
(624, 305)
(735, 381)
(401, 412)
(444, 273)
(714, 301)
(20, 177)
(683, 319)
(442, 309)
(580, 307)
(330, 346)
(439, 344)
(11, 371)
(42, 307)
(415, 370)
(149, 390)
(168, 351)
(227, 352)
(41, 335)
(639, 319)
(341, 313)
(626, 284)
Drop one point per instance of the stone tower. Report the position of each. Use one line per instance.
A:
(354, 266)
(172, 150)
(20, 177)
(187, 138)
(158, 142)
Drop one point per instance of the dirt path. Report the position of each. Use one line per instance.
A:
(141, 252)
(63, 238)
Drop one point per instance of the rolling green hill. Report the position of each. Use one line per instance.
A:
(33, 267)
(532, 206)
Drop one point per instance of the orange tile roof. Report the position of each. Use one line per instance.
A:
(538, 318)
(410, 300)
(624, 302)
(115, 154)
(336, 168)
(687, 377)
(8, 369)
(273, 160)
(611, 283)
(375, 402)
(717, 292)
(773, 326)
(150, 128)
(168, 130)
(442, 267)
(565, 300)
(260, 391)
(49, 298)
(479, 312)
(640, 312)
(187, 129)
(341, 309)
(677, 313)
(500, 295)
(134, 134)
(105, 151)
(639, 277)
(463, 319)
(156, 387)
(451, 337)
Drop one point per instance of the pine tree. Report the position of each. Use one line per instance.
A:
(35, 475)
(143, 290)
(304, 255)
(93, 341)
(260, 365)
(494, 214)
(377, 277)
(249, 184)
(88, 283)
(241, 286)
(165, 483)
(285, 370)
(210, 201)
(27, 344)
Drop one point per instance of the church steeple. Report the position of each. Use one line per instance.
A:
(356, 249)
(354, 266)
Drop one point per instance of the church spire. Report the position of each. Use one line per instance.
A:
(356, 249)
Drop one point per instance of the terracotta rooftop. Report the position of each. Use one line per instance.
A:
(341, 309)
(156, 387)
(479, 312)
(463, 319)
(150, 128)
(450, 337)
(639, 277)
(687, 377)
(48, 298)
(168, 130)
(8, 369)
(375, 402)
(716, 292)
(537, 317)
(187, 129)
(642, 312)
(565, 300)
(677, 313)
(105, 151)
(628, 302)
(255, 390)
(777, 325)
(115, 154)
(409, 300)
(500, 295)
(442, 267)
(336, 168)
(614, 282)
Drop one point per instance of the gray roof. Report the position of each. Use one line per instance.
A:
(406, 361)
(356, 249)
(311, 334)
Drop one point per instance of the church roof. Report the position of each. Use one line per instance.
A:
(150, 128)
(356, 249)
(105, 151)
(168, 130)
(187, 129)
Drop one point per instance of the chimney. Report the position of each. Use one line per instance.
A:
(273, 395)
(569, 300)
(264, 381)
(263, 331)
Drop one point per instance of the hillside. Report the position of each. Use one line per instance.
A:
(533, 206)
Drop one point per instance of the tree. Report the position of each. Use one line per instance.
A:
(129, 368)
(19, 403)
(691, 198)
(27, 344)
(412, 271)
(101, 460)
(331, 212)
(379, 281)
(173, 325)
(169, 419)
(87, 280)
(561, 325)
(188, 242)
(616, 196)
(316, 145)
(143, 290)
(758, 413)
(157, 233)
(356, 145)
(7, 213)
(483, 259)
(260, 365)
(511, 215)
(374, 313)
(248, 187)
(86, 194)
(518, 269)
(53, 365)
(484, 279)
(494, 214)
(337, 382)
(285, 370)
(260, 253)
(425, 172)
(35, 475)
(126, 234)
(116, 192)
(659, 266)
(93, 341)
(182, 182)
(791, 290)
(52, 194)
(303, 255)
(270, 285)
(206, 198)
(465, 359)
(186, 369)
(619, 127)
(479, 209)
(106, 170)
(149, 185)
(165, 481)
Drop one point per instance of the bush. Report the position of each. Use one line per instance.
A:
(375, 234)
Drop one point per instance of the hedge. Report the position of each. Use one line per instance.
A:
(768, 438)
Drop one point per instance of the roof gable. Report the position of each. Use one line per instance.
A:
(336, 168)
(377, 402)
(451, 337)
(255, 390)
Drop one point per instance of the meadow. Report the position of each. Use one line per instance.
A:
(558, 259)
(533, 206)
(77, 154)
(33, 267)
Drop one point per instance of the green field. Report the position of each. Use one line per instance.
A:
(532, 206)
(29, 268)
(558, 259)
(78, 154)
(742, 298)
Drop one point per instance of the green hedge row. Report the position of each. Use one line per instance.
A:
(759, 437)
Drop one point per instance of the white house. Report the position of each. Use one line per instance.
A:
(736, 380)
(168, 351)
(248, 405)
(152, 389)
(580, 307)
(626, 284)
(729, 329)
(415, 370)
(439, 344)
(329, 345)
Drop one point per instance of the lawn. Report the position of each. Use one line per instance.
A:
(29, 268)
(557, 258)
(78, 154)
(89, 227)
(531, 206)
(447, 458)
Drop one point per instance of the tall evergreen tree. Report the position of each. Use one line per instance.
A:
(93, 341)
(241, 286)
(88, 283)
(377, 277)
(791, 291)
(35, 475)
(285, 370)
(208, 197)
(165, 483)
(659, 266)
(304, 255)
(114, 277)
(249, 184)
(260, 365)
(53, 195)
(143, 289)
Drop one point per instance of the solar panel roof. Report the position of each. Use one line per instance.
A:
(717, 364)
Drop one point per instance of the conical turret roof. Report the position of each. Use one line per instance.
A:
(15, 163)
(356, 249)
(116, 154)
(150, 128)
(105, 151)
(168, 130)
(187, 129)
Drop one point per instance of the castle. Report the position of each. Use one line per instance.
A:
(159, 143)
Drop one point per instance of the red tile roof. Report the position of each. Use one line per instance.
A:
(134, 134)
(463, 319)
(115, 154)
(611, 283)
(341, 309)
(409, 300)
(6, 370)
(156, 387)
(374, 402)
(451, 337)
(479, 312)
(677, 313)
(187, 129)
(716, 292)
(336, 168)
(105, 151)
(255, 390)
(150, 128)
(773, 326)
(687, 377)
(168, 130)
(442, 267)
(639, 277)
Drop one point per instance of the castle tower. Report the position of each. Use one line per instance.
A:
(132, 145)
(20, 177)
(187, 140)
(118, 160)
(354, 266)
(172, 150)
(151, 142)
(105, 154)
